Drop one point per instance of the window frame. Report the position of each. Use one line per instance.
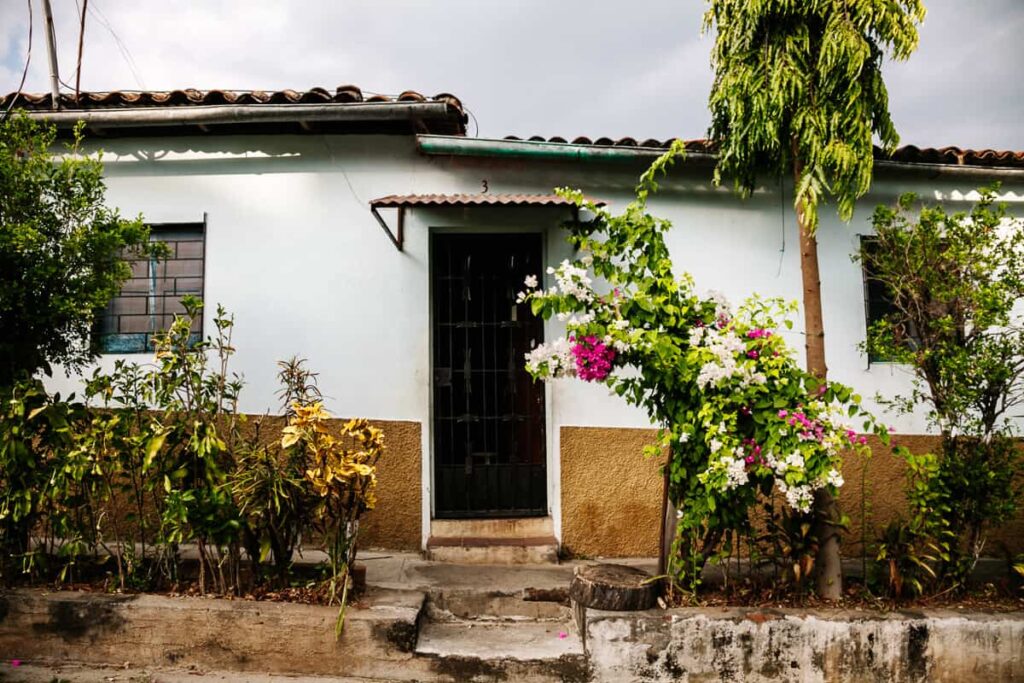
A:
(885, 301)
(169, 228)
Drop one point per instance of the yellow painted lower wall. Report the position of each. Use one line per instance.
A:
(611, 494)
(395, 524)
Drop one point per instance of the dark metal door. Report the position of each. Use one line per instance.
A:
(489, 442)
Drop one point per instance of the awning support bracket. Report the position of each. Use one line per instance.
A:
(398, 236)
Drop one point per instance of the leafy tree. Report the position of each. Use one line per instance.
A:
(60, 250)
(955, 280)
(798, 92)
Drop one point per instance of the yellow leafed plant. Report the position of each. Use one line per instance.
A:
(342, 470)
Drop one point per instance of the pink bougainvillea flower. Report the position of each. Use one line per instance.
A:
(562, 635)
(15, 663)
(593, 358)
(753, 354)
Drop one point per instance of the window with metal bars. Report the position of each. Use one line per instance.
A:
(151, 297)
(878, 300)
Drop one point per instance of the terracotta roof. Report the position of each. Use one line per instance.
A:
(190, 96)
(451, 123)
(405, 200)
(907, 154)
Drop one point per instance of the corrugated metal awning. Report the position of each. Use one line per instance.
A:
(408, 201)
(395, 201)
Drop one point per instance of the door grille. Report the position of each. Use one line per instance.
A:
(489, 440)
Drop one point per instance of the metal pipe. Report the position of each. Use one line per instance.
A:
(444, 145)
(51, 49)
(212, 114)
(461, 146)
(961, 170)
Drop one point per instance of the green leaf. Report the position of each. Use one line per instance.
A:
(153, 446)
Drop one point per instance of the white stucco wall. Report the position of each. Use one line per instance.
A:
(294, 253)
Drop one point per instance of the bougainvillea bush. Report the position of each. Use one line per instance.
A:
(742, 420)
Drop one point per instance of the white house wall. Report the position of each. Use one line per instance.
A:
(294, 253)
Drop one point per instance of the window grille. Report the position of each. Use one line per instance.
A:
(151, 297)
(489, 442)
(878, 301)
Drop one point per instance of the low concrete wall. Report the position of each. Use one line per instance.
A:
(214, 634)
(691, 645)
(381, 632)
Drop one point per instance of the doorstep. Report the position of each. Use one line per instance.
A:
(521, 540)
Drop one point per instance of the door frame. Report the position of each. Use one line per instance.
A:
(551, 470)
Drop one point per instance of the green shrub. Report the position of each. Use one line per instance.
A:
(955, 281)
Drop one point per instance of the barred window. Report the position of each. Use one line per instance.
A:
(877, 297)
(152, 296)
(879, 301)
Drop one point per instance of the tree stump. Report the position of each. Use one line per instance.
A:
(613, 587)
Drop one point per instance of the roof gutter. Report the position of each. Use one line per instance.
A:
(445, 145)
(200, 115)
(950, 170)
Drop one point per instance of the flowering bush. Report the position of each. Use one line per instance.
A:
(741, 418)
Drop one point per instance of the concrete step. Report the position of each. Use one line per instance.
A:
(508, 527)
(482, 605)
(520, 651)
(493, 550)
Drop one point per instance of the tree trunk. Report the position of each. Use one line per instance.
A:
(828, 567)
(613, 587)
(668, 527)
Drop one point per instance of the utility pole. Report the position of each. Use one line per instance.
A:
(51, 48)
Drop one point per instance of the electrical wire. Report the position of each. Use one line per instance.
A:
(24, 73)
(125, 52)
(782, 218)
(81, 37)
(78, 68)
(475, 124)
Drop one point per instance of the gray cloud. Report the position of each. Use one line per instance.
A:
(554, 67)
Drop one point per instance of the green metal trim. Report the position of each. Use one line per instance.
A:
(450, 145)
(447, 145)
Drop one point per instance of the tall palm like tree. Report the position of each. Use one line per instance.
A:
(798, 92)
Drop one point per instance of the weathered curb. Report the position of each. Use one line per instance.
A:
(232, 635)
(805, 645)
(379, 641)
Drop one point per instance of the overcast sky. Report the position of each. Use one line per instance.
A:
(523, 67)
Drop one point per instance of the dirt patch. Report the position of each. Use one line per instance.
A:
(986, 598)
